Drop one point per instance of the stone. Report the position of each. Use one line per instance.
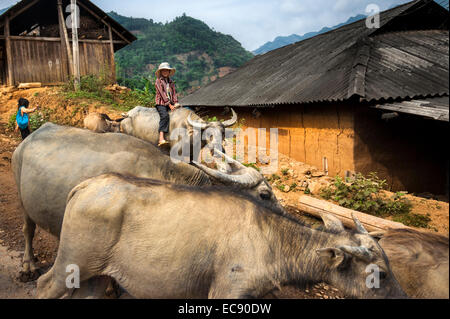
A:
(286, 188)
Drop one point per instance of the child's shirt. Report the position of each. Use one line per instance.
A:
(22, 120)
(165, 92)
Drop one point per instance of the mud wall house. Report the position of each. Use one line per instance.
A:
(36, 44)
(354, 99)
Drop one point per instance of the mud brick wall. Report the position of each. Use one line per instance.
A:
(410, 152)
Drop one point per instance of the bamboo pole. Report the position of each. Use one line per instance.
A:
(113, 63)
(10, 80)
(316, 206)
(76, 53)
(64, 38)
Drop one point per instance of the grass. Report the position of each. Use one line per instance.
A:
(92, 88)
(252, 165)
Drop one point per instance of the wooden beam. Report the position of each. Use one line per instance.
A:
(49, 39)
(55, 39)
(104, 22)
(113, 63)
(64, 33)
(10, 74)
(15, 14)
(316, 206)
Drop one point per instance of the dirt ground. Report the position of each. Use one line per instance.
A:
(11, 238)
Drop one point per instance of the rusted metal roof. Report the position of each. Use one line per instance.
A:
(348, 62)
(436, 108)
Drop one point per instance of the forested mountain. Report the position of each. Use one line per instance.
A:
(199, 54)
(283, 41)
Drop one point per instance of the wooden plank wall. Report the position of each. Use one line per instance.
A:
(95, 58)
(38, 61)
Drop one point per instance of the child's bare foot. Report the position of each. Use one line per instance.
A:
(163, 142)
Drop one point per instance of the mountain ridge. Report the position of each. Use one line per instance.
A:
(282, 41)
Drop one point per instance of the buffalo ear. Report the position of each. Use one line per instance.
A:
(333, 257)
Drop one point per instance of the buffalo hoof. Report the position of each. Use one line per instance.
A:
(27, 276)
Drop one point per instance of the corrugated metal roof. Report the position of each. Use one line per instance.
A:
(408, 64)
(337, 65)
(436, 108)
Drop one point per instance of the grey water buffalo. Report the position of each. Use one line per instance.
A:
(51, 161)
(418, 260)
(143, 122)
(100, 123)
(203, 242)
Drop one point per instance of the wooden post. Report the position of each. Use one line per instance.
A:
(76, 52)
(65, 44)
(10, 80)
(113, 63)
(316, 206)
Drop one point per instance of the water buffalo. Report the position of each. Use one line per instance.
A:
(100, 123)
(52, 160)
(204, 242)
(419, 260)
(143, 122)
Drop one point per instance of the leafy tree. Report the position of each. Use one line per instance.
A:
(184, 36)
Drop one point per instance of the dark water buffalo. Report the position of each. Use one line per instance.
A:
(100, 123)
(52, 160)
(418, 260)
(205, 242)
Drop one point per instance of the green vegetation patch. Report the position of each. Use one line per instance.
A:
(364, 194)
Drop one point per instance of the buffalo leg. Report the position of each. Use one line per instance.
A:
(51, 285)
(29, 271)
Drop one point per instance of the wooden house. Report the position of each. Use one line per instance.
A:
(36, 41)
(354, 99)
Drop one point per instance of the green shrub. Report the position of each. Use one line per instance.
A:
(363, 194)
(12, 121)
(252, 165)
(273, 177)
(414, 220)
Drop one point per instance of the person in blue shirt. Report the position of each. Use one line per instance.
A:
(22, 119)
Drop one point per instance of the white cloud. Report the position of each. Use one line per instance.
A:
(251, 22)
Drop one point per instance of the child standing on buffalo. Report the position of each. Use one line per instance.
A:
(166, 98)
(22, 120)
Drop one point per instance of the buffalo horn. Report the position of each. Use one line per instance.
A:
(332, 223)
(200, 125)
(359, 252)
(231, 121)
(359, 227)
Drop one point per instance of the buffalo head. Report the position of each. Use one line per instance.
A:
(357, 263)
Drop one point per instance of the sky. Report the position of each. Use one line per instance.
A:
(251, 22)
